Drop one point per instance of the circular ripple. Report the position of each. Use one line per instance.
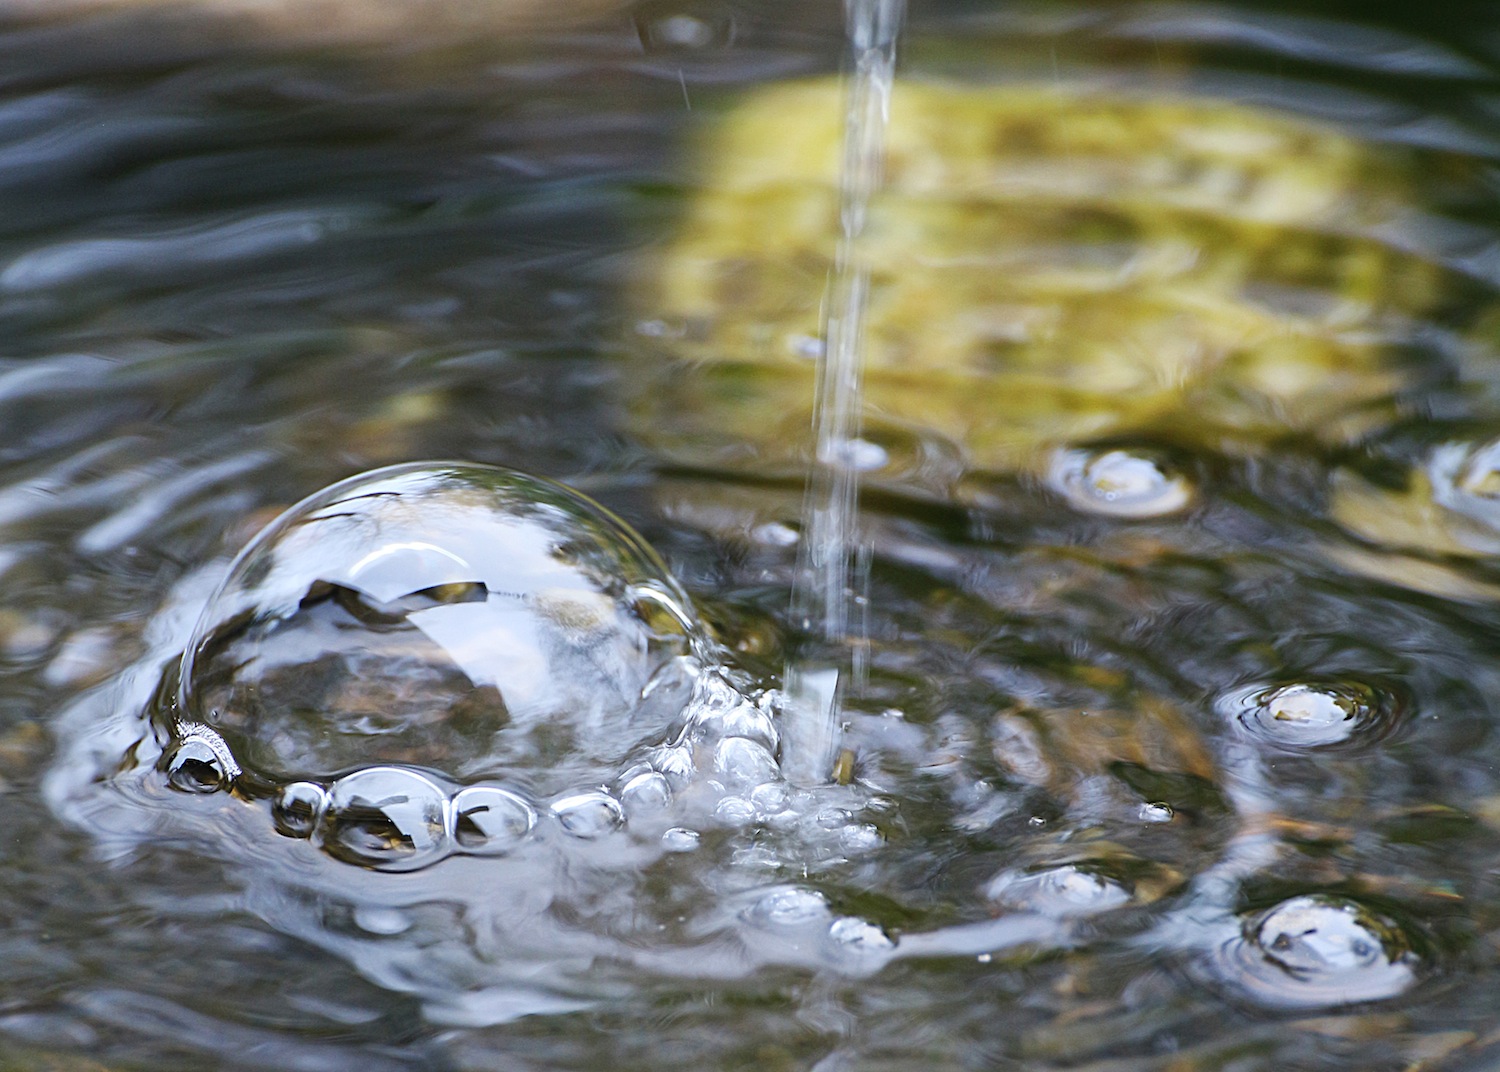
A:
(1311, 715)
(468, 619)
(1317, 952)
(1117, 483)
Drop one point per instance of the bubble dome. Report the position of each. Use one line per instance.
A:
(464, 619)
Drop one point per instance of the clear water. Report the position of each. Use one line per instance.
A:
(1177, 748)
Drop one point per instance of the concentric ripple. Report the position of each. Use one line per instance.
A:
(1311, 715)
(1317, 952)
(1117, 483)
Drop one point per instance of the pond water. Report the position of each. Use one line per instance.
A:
(1174, 740)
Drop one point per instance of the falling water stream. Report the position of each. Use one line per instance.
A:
(832, 576)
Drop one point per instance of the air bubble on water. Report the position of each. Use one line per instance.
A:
(298, 808)
(677, 27)
(381, 921)
(858, 455)
(648, 791)
(1059, 892)
(752, 722)
(680, 839)
(387, 818)
(199, 761)
(1156, 812)
(490, 821)
(588, 815)
(744, 763)
(735, 811)
(1310, 715)
(1318, 952)
(770, 798)
(1117, 483)
(675, 763)
(1466, 479)
(859, 838)
(859, 936)
(788, 906)
(463, 618)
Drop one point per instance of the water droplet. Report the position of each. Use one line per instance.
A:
(463, 618)
(678, 27)
(298, 808)
(386, 818)
(488, 821)
(1117, 483)
(1310, 715)
(858, 936)
(199, 762)
(1318, 951)
(680, 839)
(1059, 892)
(648, 791)
(589, 815)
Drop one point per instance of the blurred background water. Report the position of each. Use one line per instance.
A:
(1179, 746)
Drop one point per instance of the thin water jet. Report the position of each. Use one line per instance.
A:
(830, 569)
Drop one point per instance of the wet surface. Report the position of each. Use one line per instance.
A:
(1177, 746)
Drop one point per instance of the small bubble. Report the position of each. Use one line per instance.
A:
(1059, 892)
(589, 815)
(860, 455)
(648, 791)
(386, 818)
(859, 936)
(672, 27)
(743, 762)
(1036, 822)
(769, 798)
(675, 763)
(680, 839)
(859, 837)
(298, 808)
(1156, 812)
(200, 763)
(1318, 952)
(381, 922)
(735, 811)
(788, 906)
(1310, 715)
(1117, 483)
(751, 722)
(488, 821)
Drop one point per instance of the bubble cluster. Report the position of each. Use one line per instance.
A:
(1117, 483)
(1311, 715)
(1318, 952)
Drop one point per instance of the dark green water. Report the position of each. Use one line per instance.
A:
(1214, 789)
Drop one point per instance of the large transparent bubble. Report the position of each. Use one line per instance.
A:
(467, 619)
